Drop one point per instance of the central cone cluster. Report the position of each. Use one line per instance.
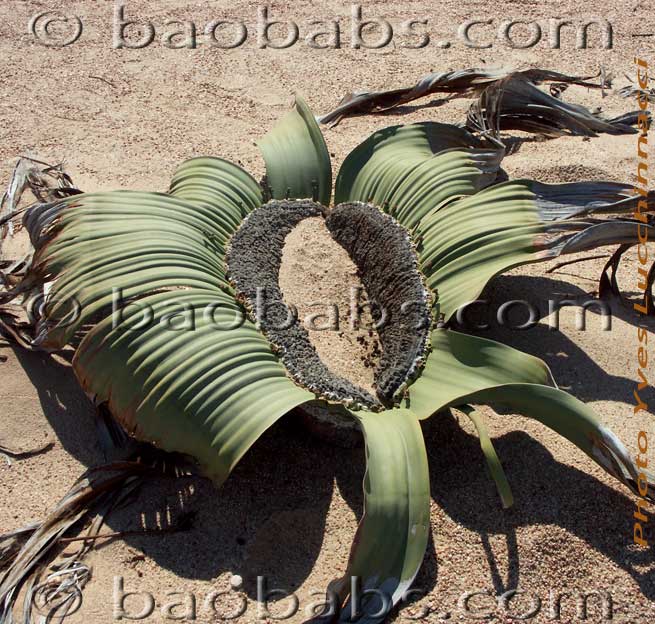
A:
(388, 268)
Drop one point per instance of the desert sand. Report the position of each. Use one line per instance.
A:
(125, 119)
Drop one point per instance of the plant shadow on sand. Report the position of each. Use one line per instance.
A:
(574, 370)
(269, 518)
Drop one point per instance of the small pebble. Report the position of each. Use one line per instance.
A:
(236, 581)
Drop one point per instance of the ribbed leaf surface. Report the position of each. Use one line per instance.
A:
(464, 244)
(209, 391)
(469, 241)
(220, 184)
(297, 159)
(176, 361)
(440, 179)
(405, 170)
(433, 179)
(136, 242)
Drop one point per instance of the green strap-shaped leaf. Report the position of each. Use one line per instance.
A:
(218, 183)
(431, 177)
(393, 534)
(388, 168)
(86, 216)
(297, 159)
(573, 420)
(93, 244)
(465, 243)
(444, 177)
(464, 369)
(460, 364)
(196, 378)
(471, 240)
(179, 365)
(490, 456)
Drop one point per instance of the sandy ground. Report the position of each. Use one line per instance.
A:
(323, 297)
(125, 119)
